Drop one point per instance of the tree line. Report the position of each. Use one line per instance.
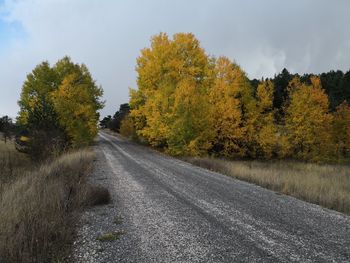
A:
(190, 103)
(59, 107)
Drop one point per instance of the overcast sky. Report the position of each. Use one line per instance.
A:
(263, 36)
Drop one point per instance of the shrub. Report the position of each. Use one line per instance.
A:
(127, 128)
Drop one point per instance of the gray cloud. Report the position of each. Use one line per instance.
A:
(262, 36)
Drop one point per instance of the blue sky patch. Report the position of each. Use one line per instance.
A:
(10, 31)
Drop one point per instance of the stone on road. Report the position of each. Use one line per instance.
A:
(173, 211)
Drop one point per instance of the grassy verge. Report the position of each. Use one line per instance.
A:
(326, 185)
(39, 204)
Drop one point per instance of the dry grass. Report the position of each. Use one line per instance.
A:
(326, 185)
(12, 163)
(39, 204)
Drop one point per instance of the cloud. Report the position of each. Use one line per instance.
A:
(262, 36)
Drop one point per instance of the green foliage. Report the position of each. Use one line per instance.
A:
(105, 122)
(35, 96)
(62, 99)
(6, 127)
(119, 116)
(109, 237)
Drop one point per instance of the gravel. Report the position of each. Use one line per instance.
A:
(166, 210)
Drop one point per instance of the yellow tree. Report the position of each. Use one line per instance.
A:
(228, 119)
(191, 130)
(266, 130)
(172, 81)
(149, 103)
(308, 122)
(341, 130)
(76, 103)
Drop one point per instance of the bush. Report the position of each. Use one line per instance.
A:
(46, 144)
(127, 128)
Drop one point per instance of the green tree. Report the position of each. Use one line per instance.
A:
(36, 96)
(54, 98)
(6, 127)
(106, 121)
(119, 116)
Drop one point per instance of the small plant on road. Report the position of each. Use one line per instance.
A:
(110, 236)
(118, 220)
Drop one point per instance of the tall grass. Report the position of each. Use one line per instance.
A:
(326, 185)
(12, 163)
(39, 204)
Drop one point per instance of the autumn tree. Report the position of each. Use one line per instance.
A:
(149, 103)
(54, 98)
(76, 102)
(127, 128)
(341, 130)
(265, 127)
(228, 119)
(308, 122)
(170, 107)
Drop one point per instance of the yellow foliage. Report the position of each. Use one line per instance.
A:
(308, 122)
(127, 128)
(341, 129)
(190, 104)
(62, 97)
(266, 130)
(227, 113)
(74, 105)
(172, 82)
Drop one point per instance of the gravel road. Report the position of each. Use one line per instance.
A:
(172, 211)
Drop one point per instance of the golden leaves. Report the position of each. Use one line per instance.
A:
(191, 104)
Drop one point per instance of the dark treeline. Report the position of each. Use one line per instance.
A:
(7, 127)
(114, 123)
(335, 83)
